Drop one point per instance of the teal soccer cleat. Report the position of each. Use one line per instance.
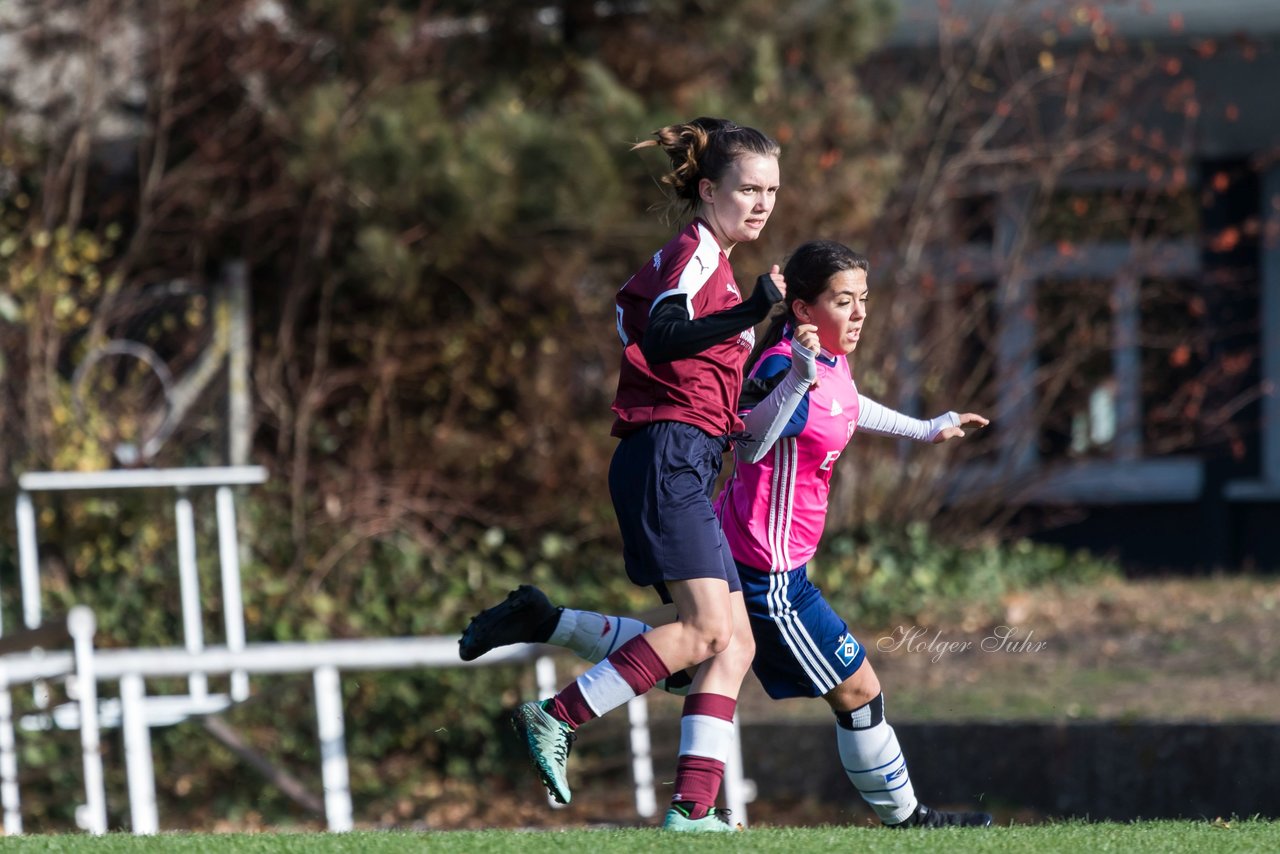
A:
(548, 741)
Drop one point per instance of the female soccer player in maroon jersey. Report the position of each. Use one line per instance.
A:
(802, 408)
(686, 334)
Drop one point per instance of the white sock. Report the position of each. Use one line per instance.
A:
(874, 762)
(593, 636)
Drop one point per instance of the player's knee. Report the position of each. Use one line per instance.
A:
(718, 638)
(867, 685)
(741, 651)
(711, 636)
(743, 643)
(856, 691)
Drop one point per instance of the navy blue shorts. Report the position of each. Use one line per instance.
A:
(803, 648)
(661, 479)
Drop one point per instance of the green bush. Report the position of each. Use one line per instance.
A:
(879, 574)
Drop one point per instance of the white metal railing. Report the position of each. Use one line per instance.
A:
(181, 480)
(86, 666)
(136, 713)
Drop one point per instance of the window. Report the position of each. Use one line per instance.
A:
(1075, 377)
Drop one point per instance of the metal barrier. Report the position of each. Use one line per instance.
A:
(86, 666)
(136, 713)
(181, 481)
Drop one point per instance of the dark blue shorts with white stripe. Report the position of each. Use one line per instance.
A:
(803, 648)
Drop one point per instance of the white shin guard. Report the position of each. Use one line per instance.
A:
(873, 760)
(593, 636)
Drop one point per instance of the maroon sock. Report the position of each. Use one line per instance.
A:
(638, 664)
(570, 707)
(634, 661)
(698, 777)
(697, 784)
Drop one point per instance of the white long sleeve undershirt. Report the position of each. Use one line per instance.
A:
(882, 421)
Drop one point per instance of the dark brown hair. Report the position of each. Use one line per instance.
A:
(705, 148)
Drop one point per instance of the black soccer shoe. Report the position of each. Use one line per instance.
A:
(926, 817)
(525, 616)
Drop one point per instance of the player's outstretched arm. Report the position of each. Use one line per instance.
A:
(879, 419)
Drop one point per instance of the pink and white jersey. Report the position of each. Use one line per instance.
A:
(702, 389)
(773, 511)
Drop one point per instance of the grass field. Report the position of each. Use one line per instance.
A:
(1154, 836)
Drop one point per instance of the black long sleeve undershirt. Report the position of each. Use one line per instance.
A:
(672, 335)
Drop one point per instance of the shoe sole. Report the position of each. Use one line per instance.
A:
(942, 826)
(726, 829)
(701, 826)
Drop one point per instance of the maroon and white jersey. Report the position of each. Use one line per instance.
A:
(702, 389)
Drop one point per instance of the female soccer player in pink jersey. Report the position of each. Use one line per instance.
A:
(801, 409)
(686, 334)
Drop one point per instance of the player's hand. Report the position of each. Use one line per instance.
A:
(966, 419)
(775, 275)
(804, 351)
(806, 335)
